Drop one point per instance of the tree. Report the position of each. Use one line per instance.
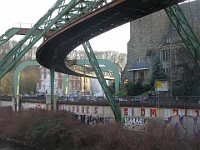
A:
(113, 56)
(6, 84)
(187, 74)
(112, 87)
(136, 89)
(157, 70)
(6, 47)
(28, 80)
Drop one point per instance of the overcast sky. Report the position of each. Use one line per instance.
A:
(13, 12)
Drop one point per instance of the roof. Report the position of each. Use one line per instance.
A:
(138, 66)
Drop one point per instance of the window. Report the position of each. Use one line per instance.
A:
(166, 54)
(166, 70)
(42, 76)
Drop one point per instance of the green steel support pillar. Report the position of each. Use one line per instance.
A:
(185, 31)
(100, 77)
(17, 74)
(61, 8)
(53, 101)
(109, 66)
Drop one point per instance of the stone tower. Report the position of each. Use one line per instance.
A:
(150, 34)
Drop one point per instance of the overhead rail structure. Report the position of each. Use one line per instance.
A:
(77, 21)
(100, 15)
(53, 52)
(109, 68)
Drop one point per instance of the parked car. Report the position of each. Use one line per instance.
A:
(115, 98)
(122, 100)
(119, 99)
(136, 99)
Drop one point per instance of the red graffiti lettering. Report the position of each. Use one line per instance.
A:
(153, 112)
(197, 112)
(38, 106)
(125, 111)
(87, 109)
(142, 112)
(186, 112)
(77, 109)
(132, 111)
(175, 111)
(95, 110)
(82, 109)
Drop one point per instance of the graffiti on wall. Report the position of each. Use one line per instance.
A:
(155, 112)
(138, 124)
(92, 120)
(181, 112)
(33, 105)
(184, 125)
(96, 110)
(142, 112)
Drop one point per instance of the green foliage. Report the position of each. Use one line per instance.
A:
(112, 88)
(136, 89)
(122, 93)
(189, 87)
(189, 83)
(157, 70)
(6, 84)
(28, 79)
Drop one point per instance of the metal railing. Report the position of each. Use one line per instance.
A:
(5, 98)
(130, 101)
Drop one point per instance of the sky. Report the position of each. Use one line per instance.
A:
(14, 13)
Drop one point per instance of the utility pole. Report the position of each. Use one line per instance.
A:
(171, 69)
(84, 79)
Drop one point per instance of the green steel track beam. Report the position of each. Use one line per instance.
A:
(16, 53)
(8, 35)
(17, 74)
(99, 74)
(62, 13)
(185, 31)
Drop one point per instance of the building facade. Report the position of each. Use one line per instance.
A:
(155, 35)
(75, 84)
(45, 82)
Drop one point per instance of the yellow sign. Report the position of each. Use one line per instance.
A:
(162, 85)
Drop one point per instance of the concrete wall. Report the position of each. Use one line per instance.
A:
(187, 121)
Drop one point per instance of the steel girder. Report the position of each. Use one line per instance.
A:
(62, 13)
(95, 64)
(8, 34)
(185, 31)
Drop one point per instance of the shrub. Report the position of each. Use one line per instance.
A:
(57, 130)
(136, 89)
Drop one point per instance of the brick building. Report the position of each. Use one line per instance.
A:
(75, 84)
